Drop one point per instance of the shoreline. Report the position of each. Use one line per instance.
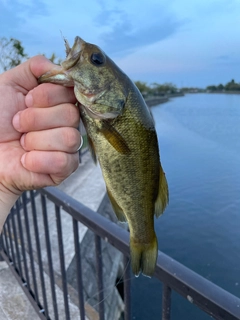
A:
(154, 101)
(225, 92)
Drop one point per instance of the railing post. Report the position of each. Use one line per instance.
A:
(99, 276)
(127, 288)
(1, 247)
(166, 302)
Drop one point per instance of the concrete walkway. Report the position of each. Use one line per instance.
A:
(14, 304)
(87, 186)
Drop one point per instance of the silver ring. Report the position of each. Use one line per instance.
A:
(81, 144)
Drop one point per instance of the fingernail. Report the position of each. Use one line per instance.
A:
(22, 140)
(16, 121)
(29, 99)
(23, 159)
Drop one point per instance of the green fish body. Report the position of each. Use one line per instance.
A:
(122, 137)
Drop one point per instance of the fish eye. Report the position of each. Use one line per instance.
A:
(97, 58)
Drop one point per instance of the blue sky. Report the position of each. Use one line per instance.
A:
(188, 43)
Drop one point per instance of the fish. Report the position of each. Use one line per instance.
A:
(122, 138)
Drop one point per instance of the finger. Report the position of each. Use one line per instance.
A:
(59, 165)
(28, 72)
(48, 95)
(64, 139)
(34, 119)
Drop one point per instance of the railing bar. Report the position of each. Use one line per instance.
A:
(29, 241)
(45, 222)
(166, 302)
(62, 261)
(210, 298)
(12, 255)
(50, 262)
(206, 295)
(38, 249)
(7, 245)
(19, 266)
(127, 288)
(99, 276)
(51, 272)
(1, 245)
(105, 228)
(22, 244)
(78, 269)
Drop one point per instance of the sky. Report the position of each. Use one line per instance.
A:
(188, 43)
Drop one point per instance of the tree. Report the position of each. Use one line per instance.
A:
(11, 53)
(143, 87)
(232, 86)
(211, 88)
(164, 88)
(220, 87)
(54, 59)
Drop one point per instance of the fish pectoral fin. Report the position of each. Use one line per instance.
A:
(92, 149)
(117, 209)
(163, 197)
(114, 138)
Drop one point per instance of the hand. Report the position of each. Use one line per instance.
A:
(38, 135)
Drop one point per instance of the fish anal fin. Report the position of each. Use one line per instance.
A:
(117, 209)
(143, 256)
(114, 138)
(163, 197)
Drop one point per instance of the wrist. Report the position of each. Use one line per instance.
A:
(7, 200)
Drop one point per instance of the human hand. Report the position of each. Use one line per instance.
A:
(38, 135)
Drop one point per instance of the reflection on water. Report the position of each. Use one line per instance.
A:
(199, 137)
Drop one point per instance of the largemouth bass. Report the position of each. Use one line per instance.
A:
(122, 137)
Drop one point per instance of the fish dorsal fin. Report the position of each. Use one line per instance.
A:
(114, 138)
(117, 209)
(162, 198)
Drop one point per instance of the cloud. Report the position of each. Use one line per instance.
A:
(126, 31)
(118, 27)
(223, 58)
(123, 39)
(227, 60)
(14, 13)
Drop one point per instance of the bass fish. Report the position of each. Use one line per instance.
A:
(122, 136)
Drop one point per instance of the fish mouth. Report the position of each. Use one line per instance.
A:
(59, 74)
(73, 54)
(62, 75)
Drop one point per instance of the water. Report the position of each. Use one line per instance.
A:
(199, 137)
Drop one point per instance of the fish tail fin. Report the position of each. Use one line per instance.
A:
(143, 256)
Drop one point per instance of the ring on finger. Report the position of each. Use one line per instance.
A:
(81, 144)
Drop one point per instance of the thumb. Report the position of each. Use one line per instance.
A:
(26, 74)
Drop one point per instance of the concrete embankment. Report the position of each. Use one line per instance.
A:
(224, 92)
(154, 101)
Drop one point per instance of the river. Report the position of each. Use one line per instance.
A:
(199, 138)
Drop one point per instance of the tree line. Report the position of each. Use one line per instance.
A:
(230, 86)
(12, 53)
(156, 89)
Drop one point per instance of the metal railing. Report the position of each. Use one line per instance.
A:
(36, 272)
